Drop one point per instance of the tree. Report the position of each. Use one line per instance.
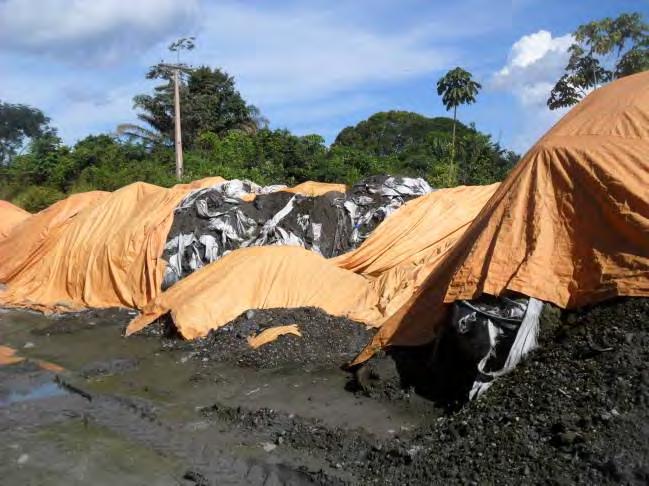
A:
(19, 124)
(456, 88)
(603, 50)
(400, 142)
(209, 102)
(396, 133)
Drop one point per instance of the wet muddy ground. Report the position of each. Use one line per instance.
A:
(146, 410)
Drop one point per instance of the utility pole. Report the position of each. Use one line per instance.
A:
(178, 132)
(182, 44)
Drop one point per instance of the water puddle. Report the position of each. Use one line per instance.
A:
(39, 392)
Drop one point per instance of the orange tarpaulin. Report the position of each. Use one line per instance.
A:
(419, 231)
(271, 334)
(21, 249)
(102, 250)
(570, 225)
(412, 238)
(108, 255)
(10, 216)
(408, 245)
(260, 278)
(312, 188)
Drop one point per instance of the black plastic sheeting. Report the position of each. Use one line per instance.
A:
(211, 222)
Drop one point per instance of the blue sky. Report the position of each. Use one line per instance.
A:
(310, 66)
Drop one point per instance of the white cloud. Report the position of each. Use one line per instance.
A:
(90, 31)
(89, 115)
(305, 64)
(291, 54)
(534, 64)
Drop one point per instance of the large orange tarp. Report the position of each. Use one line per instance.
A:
(10, 216)
(419, 231)
(408, 245)
(102, 250)
(260, 278)
(362, 285)
(20, 249)
(108, 255)
(570, 225)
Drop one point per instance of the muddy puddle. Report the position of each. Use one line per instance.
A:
(79, 404)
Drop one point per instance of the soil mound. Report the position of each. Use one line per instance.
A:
(325, 340)
(574, 412)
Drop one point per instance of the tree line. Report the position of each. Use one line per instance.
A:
(225, 135)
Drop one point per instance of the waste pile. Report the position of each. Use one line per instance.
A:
(304, 337)
(211, 222)
(568, 225)
(10, 216)
(366, 284)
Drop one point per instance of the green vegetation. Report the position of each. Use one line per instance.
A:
(19, 123)
(604, 50)
(390, 142)
(456, 88)
(224, 135)
(209, 102)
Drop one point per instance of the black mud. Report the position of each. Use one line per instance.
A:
(575, 412)
(74, 322)
(326, 340)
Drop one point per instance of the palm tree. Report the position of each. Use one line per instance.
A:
(457, 88)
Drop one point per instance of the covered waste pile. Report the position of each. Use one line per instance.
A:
(25, 245)
(256, 278)
(214, 221)
(105, 249)
(10, 216)
(569, 225)
(107, 255)
(360, 285)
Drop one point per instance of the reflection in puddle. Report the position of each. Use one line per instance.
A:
(45, 390)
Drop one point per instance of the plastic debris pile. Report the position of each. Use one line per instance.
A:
(211, 222)
(496, 333)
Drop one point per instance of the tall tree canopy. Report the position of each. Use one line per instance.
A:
(603, 50)
(397, 133)
(209, 102)
(409, 143)
(19, 124)
(456, 88)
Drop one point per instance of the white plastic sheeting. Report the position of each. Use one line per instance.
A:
(221, 225)
(512, 332)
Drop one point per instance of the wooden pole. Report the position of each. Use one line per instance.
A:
(178, 134)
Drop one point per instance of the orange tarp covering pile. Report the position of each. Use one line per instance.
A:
(353, 285)
(108, 255)
(570, 225)
(312, 188)
(260, 278)
(104, 249)
(10, 216)
(405, 248)
(21, 249)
